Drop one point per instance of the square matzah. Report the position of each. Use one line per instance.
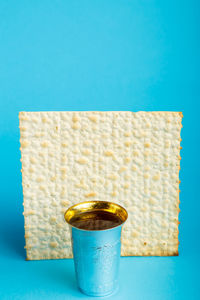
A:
(129, 158)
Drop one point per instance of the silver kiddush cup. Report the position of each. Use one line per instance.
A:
(96, 252)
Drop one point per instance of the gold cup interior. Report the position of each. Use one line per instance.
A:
(93, 206)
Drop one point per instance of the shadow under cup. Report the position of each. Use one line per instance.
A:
(96, 243)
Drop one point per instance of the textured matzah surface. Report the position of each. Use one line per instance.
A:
(129, 158)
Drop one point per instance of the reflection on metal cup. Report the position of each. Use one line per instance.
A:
(96, 252)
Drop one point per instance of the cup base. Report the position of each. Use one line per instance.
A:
(88, 293)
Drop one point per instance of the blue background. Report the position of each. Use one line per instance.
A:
(99, 55)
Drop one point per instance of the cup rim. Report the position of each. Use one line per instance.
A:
(93, 205)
